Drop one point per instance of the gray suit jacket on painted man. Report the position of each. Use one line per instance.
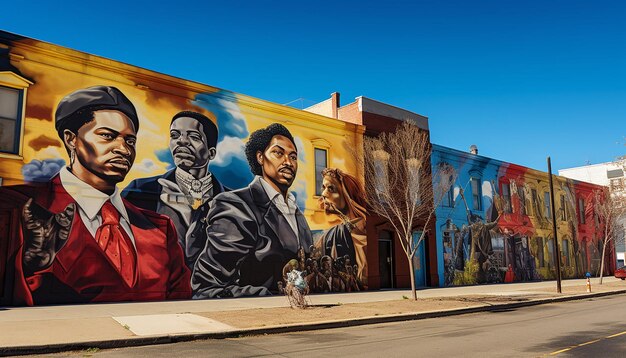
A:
(146, 193)
(249, 242)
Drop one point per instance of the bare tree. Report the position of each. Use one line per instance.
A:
(402, 187)
(609, 212)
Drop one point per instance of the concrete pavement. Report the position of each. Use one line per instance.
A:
(43, 329)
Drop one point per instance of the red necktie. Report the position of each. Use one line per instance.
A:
(116, 244)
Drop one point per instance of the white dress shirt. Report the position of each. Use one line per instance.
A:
(288, 209)
(90, 201)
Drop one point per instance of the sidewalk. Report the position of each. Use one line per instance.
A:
(72, 327)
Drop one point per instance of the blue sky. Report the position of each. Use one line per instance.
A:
(520, 79)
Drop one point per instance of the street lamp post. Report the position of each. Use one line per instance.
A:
(556, 241)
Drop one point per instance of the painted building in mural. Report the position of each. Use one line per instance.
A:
(119, 183)
(495, 223)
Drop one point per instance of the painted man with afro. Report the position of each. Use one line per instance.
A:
(253, 231)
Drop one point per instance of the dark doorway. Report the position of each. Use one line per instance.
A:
(385, 259)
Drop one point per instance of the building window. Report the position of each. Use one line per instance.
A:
(546, 205)
(477, 195)
(615, 173)
(563, 209)
(321, 162)
(581, 210)
(540, 258)
(11, 100)
(506, 195)
(13, 88)
(522, 200)
(565, 252)
(535, 200)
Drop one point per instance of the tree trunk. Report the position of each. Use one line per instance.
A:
(412, 275)
(602, 262)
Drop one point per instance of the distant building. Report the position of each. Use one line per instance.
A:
(495, 223)
(612, 175)
(387, 260)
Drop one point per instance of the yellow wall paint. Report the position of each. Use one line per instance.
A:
(56, 72)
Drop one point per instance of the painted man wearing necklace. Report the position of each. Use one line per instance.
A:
(184, 193)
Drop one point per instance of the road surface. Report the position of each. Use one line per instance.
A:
(585, 328)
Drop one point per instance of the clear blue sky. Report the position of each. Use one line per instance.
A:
(520, 79)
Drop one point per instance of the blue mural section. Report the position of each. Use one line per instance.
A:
(42, 170)
(230, 166)
(470, 201)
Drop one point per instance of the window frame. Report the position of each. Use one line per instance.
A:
(448, 200)
(581, 211)
(522, 200)
(13, 81)
(506, 195)
(477, 198)
(536, 209)
(318, 185)
(546, 205)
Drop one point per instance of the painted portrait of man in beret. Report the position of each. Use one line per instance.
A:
(80, 241)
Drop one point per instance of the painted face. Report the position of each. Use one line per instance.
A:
(105, 147)
(332, 200)
(279, 162)
(188, 144)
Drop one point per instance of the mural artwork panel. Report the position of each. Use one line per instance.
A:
(108, 213)
(495, 224)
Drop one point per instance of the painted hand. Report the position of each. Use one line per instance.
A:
(44, 234)
(327, 205)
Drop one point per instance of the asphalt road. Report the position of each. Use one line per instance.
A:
(587, 328)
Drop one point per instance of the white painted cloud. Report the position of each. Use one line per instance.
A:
(338, 163)
(148, 166)
(228, 148)
(299, 190)
(300, 148)
(49, 152)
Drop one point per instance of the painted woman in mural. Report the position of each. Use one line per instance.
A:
(343, 196)
(183, 194)
(253, 231)
(80, 241)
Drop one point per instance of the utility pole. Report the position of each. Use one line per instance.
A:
(557, 252)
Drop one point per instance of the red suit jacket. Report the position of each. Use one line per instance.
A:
(80, 271)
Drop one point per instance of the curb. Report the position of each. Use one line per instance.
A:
(298, 327)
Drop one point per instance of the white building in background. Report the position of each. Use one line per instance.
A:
(611, 174)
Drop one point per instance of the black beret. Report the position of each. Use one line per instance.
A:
(94, 98)
(208, 127)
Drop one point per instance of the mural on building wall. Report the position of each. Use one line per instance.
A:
(79, 239)
(110, 213)
(495, 225)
